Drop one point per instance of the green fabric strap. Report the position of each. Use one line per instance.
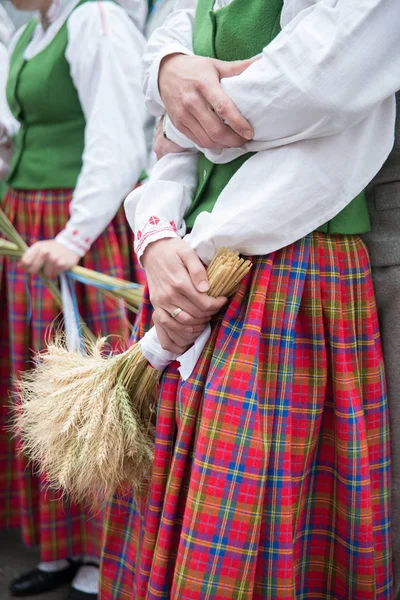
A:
(3, 189)
(239, 31)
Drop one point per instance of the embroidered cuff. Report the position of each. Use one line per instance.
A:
(73, 240)
(154, 230)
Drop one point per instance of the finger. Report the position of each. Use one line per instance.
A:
(186, 319)
(186, 332)
(194, 131)
(52, 269)
(159, 125)
(196, 269)
(234, 67)
(186, 305)
(219, 134)
(185, 296)
(198, 306)
(191, 124)
(227, 110)
(183, 341)
(167, 343)
(36, 262)
(28, 258)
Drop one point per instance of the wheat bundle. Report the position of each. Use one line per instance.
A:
(86, 420)
(117, 288)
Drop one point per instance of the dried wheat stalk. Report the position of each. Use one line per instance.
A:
(86, 420)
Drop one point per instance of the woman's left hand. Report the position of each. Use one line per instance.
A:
(51, 256)
(162, 145)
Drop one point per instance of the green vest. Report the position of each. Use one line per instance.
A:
(49, 145)
(239, 31)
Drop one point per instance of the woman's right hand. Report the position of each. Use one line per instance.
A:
(177, 279)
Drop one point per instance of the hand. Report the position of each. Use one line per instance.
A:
(177, 279)
(196, 103)
(162, 145)
(174, 335)
(51, 256)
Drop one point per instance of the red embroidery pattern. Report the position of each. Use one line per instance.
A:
(141, 239)
(172, 223)
(154, 220)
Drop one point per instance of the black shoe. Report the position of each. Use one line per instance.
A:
(38, 582)
(78, 595)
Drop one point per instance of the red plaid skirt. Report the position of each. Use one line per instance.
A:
(272, 471)
(61, 530)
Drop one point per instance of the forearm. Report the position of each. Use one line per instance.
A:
(315, 78)
(325, 72)
(283, 194)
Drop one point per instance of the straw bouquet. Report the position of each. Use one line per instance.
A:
(86, 420)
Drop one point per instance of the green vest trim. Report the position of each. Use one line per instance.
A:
(49, 145)
(3, 189)
(239, 31)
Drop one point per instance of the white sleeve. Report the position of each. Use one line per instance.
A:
(8, 125)
(328, 126)
(156, 209)
(5, 150)
(104, 52)
(280, 195)
(315, 78)
(325, 72)
(175, 35)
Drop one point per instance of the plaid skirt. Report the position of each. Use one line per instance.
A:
(271, 474)
(27, 310)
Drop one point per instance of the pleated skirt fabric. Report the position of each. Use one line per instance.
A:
(27, 312)
(271, 474)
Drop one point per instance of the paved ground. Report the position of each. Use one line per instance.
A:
(16, 559)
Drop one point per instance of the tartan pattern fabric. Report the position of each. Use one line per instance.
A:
(272, 470)
(61, 530)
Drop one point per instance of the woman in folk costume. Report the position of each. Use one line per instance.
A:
(271, 474)
(78, 149)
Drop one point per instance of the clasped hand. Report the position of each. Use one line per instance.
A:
(177, 279)
(190, 87)
(50, 256)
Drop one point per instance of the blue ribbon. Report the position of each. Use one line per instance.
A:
(28, 295)
(102, 286)
(76, 308)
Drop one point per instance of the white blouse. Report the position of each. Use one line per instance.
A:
(321, 101)
(104, 53)
(6, 32)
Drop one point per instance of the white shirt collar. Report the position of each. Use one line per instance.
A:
(59, 10)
